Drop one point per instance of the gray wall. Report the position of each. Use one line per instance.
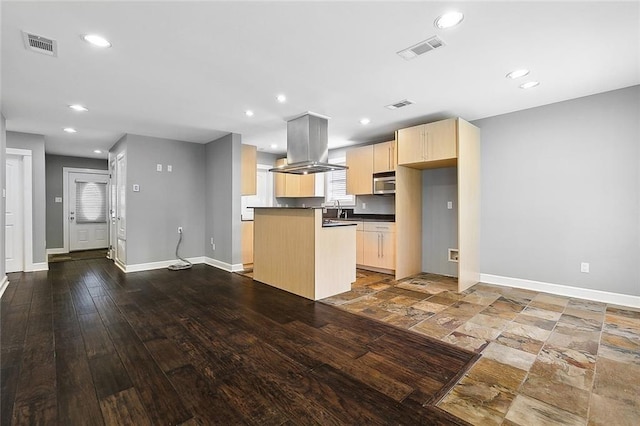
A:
(439, 224)
(223, 199)
(3, 165)
(35, 143)
(166, 199)
(53, 176)
(560, 186)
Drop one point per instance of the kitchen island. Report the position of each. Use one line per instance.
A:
(294, 251)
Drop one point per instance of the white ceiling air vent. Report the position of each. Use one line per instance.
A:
(40, 44)
(425, 46)
(400, 104)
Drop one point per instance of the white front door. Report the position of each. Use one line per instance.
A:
(88, 211)
(14, 228)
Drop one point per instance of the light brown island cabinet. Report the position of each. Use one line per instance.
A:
(384, 157)
(294, 252)
(292, 185)
(413, 157)
(360, 171)
(379, 246)
(248, 169)
(434, 143)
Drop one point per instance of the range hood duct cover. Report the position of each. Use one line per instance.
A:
(307, 146)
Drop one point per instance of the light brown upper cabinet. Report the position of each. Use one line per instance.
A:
(428, 145)
(292, 185)
(360, 171)
(384, 157)
(248, 169)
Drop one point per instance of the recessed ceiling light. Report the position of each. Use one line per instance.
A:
(281, 98)
(365, 121)
(97, 151)
(69, 130)
(96, 40)
(448, 20)
(248, 113)
(517, 73)
(274, 145)
(78, 107)
(529, 84)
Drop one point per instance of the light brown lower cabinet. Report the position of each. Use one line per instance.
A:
(378, 240)
(246, 229)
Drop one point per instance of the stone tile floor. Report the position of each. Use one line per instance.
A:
(546, 359)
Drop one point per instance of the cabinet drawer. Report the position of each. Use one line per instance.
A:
(379, 227)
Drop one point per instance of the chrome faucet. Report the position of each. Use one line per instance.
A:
(339, 209)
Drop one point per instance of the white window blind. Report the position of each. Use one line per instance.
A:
(337, 186)
(91, 202)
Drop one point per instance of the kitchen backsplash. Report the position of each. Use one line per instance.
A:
(365, 204)
(375, 204)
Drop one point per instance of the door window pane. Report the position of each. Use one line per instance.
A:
(91, 202)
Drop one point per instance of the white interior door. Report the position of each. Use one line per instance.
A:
(14, 228)
(88, 211)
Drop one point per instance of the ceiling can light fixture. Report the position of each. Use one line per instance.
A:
(97, 151)
(529, 84)
(248, 113)
(281, 98)
(517, 73)
(96, 40)
(448, 20)
(365, 121)
(78, 107)
(274, 145)
(70, 130)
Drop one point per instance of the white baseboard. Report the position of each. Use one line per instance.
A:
(60, 250)
(563, 290)
(223, 265)
(35, 267)
(3, 285)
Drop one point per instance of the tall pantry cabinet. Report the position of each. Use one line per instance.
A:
(447, 143)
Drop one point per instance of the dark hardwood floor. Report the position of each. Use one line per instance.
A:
(85, 344)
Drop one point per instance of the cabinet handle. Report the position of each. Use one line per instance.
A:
(381, 244)
(378, 245)
(389, 158)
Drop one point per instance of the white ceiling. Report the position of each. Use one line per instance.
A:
(188, 71)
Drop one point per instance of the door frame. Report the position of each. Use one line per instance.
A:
(65, 199)
(27, 205)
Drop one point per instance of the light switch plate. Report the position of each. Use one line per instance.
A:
(58, 199)
(449, 205)
(158, 167)
(136, 187)
(169, 168)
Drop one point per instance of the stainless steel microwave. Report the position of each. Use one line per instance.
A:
(384, 183)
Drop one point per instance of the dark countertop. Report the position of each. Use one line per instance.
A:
(282, 208)
(336, 224)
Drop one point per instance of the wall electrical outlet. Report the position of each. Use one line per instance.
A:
(364, 206)
(169, 168)
(449, 205)
(213, 245)
(584, 267)
(179, 229)
(158, 167)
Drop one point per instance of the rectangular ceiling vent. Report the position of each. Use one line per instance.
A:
(425, 46)
(400, 104)
(40, 44)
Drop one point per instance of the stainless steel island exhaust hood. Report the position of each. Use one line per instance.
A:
(307, 146)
